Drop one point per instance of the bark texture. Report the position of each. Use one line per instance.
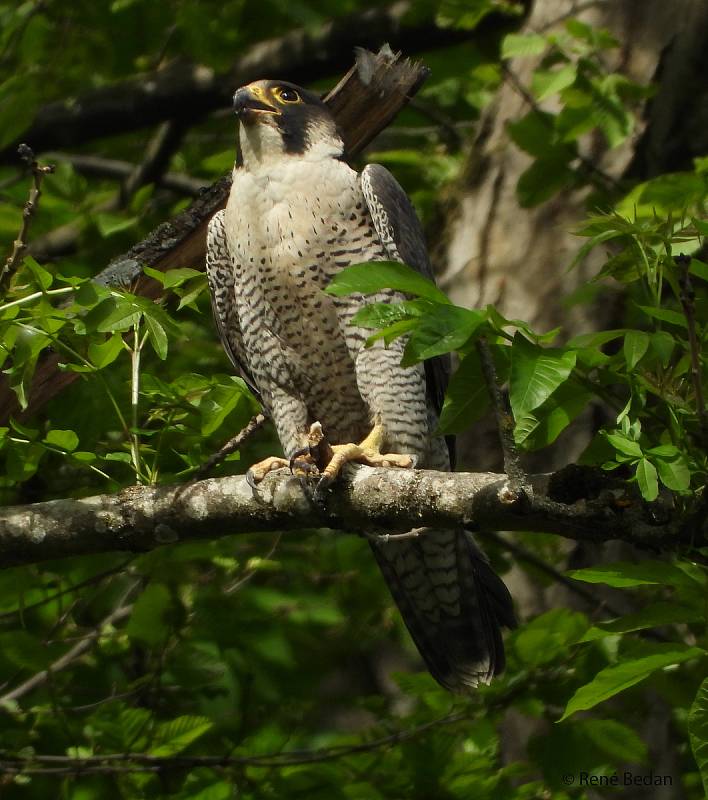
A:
(576, 503)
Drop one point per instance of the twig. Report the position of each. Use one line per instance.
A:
(115, 168)
(159, 151)
(523, 554)
(688, 297)
(142, 762)
(519, 484)
(62, 240)
(68, 658)
(20, 244)
(254, 424)
(528, 98)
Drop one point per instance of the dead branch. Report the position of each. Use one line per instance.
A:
(19, 246)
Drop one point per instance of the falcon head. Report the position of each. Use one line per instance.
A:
(279, 119)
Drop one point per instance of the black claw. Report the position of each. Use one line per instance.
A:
(251, 480)
(322, 488)
(303, 451)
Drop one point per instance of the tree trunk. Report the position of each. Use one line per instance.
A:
(495, 251)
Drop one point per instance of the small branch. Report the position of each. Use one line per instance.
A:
(120, 170)
(522, 553)
(141, 518)
(688, 298)
(142, 762)
(68, 658)
(254, 424)
(587, 164)
(160, 150)
(135, 400)
(505, 423)
(20, 244)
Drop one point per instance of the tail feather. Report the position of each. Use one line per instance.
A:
(452, 602)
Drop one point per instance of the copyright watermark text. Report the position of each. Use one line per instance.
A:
(617, 779)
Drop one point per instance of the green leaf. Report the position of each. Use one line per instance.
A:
(654, 616)
(467, 396)
(110, 224)
(532, 132)
(215, 406)
(674, 474)
(157, 336)
(547, 636)
(662, 344)
(548, 82)
(28, 346)
(42, 278)
(101, 354)
(147, 622)
(23, 650)
(616, 740)
(536, 372)
(665, 315)
(623, 574)
(515, 45)
(613, 680)
(174, 736)
(380, 315)
(698, 731)
(647, 480)
(444, 329)
(173, 277)
(623, 445)
(543, 426)
(113, 314)
(375, 276)
(699, 268)
(546, 177)
(636, 343)
(65, 440)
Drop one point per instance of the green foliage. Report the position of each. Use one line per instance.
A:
(573, 69)
(268, 651)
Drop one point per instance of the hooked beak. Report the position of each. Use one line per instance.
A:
(249, 104)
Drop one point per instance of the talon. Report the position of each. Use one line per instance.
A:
(251, 479)
(367, 452)
(258, 471)
(303, 468)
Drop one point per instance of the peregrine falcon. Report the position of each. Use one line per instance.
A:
(297, 215)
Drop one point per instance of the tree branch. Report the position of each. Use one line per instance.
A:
(115, 168)
(19, 246)
(71, 655)
(188, 91)
(366, 500)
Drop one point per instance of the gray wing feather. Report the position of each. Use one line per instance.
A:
(400, 230)
(220, 274)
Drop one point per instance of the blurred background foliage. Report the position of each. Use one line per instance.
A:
(282, 657)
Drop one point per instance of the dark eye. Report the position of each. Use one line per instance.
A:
(289, 96)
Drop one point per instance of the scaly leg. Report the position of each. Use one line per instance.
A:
(302, 463)
(366, 452)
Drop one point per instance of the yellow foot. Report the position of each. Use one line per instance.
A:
(258, 471)
(367, 452)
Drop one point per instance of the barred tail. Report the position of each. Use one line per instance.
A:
(453, 604)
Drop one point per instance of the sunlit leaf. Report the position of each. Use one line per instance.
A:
(698, 731)
(613, 680)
